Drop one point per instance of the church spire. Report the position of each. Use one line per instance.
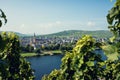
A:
(34, 38)
(34, 35)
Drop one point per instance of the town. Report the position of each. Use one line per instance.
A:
(52, 43)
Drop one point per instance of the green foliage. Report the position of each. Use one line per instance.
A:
(118, 47)
(38, 51)
(2, 17)
(29, 48)
(113, 19)
(13, 65)
(112, 70)
(109, 49)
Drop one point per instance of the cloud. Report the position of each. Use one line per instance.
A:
(22, 25)
(91, 24)
(58, 22)
(48, 27)
(55, 26)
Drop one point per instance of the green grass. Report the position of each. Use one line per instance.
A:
(55, 52)
(28, 54)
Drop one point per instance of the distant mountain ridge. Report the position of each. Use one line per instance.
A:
(73, 33)
(17, 33)
(21, 35)
(79, 33)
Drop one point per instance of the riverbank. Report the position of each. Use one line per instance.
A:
(56, 52)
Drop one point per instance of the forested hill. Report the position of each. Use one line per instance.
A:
(79, 33)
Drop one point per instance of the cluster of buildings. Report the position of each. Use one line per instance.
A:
(37, 42)
(45, 41)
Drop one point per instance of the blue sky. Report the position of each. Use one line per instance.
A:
(50, 16)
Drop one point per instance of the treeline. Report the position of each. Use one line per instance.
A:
(63, 47)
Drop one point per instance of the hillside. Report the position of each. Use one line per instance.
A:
(21, 35)
(79, 33)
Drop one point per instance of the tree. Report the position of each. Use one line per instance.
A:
(29, 48)
(12, 65)
(38, 51)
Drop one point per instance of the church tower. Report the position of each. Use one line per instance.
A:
(34, 39)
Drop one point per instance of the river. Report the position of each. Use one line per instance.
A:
(44, 64)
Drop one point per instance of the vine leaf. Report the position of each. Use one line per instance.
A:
(2, 16)
(117, 3)
(90, 63)
(112, 39)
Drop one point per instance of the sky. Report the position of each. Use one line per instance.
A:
(51, 16)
